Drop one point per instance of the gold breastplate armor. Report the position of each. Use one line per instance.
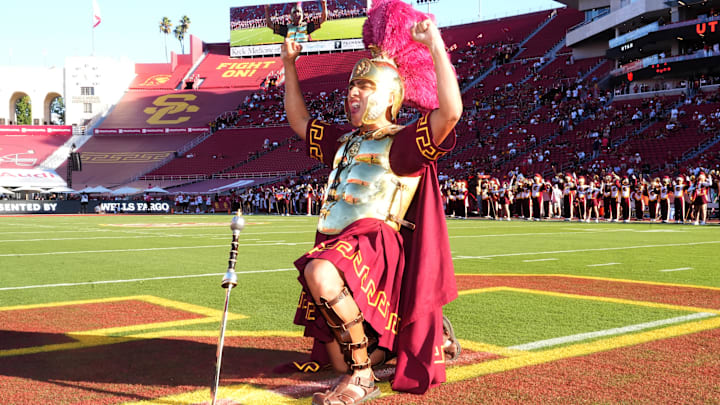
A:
(362, 185)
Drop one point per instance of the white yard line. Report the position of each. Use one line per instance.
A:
(92, 238)
(135, 280)
(602, 264)
(539, 260)
(678, 269)
(712, 242)
(82, 252)
(530, 234)
(610, 332)
(45, 232)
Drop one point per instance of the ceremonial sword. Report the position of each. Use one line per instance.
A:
(228, 282)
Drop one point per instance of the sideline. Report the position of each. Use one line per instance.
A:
(710, 242)
(609, 332)
(134, 280)
(82, 252)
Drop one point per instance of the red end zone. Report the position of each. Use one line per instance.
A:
(174, 366)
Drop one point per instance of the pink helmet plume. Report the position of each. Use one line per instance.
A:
(388, 28)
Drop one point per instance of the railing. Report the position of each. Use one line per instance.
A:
(253, 175)
(197, 177)
(175, 177)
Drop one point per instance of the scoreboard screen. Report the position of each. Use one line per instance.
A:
(321, 25)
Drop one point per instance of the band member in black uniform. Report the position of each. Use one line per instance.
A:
(637, 196)
(664, 199)
(536, 193)
(605, 187)
(679, 193)
(625, 191)
(568, 197)
(653, 193)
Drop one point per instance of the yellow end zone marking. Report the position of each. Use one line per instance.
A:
(100, 337)
(215, 333)
(456, 374)
(248, 393)
(592, 298)
(521, 359)
(488, 348)
(514, 359)
(81, 342)
(242, 393)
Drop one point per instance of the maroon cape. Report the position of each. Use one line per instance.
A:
(428, 279)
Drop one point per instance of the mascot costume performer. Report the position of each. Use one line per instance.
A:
(375, 283)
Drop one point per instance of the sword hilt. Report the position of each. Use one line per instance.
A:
(236, 225)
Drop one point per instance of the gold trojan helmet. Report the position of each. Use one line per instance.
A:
(383, 73)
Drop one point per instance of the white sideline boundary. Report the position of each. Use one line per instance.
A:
(76, 252)
(678, 269)
(610, 332)
(135, 280)
(710, 242)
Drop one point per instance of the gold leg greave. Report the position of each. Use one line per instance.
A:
(346, 323)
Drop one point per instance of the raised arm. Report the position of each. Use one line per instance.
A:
(268, 20)
(297, 113)
(323, 13)
(444, 118)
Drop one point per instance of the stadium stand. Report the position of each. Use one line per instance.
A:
(28, 150)
(174, 109)
(551, 34)
(530, 106)
(327, 72)
(115, 160)
(225, 149)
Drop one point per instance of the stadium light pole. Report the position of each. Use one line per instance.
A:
(418, 2)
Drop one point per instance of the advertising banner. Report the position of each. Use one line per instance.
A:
(148, 131)
(21, 207)
(35, 130)
(30, 177)
(317, 46)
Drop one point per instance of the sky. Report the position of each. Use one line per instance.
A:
(44, 32)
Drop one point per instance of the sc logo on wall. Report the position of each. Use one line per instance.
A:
(167, 108)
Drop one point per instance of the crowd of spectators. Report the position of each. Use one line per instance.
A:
(293, 196)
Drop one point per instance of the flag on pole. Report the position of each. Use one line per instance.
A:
(96, 14)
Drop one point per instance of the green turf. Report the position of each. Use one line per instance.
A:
(528, 317)
(332, 29)
(46, 250)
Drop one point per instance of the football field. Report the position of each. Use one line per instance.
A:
(331, 29)
(126, 309)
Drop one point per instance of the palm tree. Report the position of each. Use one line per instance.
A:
(181, 30)
(165, 25)
(180, 35)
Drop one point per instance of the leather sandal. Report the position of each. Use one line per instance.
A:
(451, 347)
(349, 390)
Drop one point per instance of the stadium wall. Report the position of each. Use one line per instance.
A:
(41, 84)
(93, 85)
